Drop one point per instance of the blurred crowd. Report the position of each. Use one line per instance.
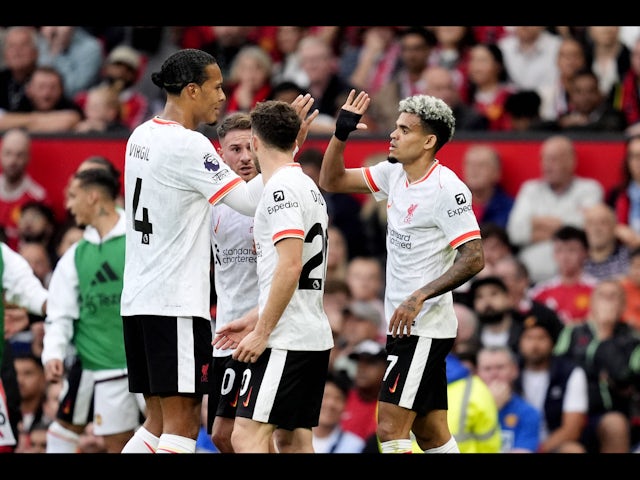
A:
(97, 79)
(547, 357)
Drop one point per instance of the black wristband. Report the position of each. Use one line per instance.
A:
(346, 123)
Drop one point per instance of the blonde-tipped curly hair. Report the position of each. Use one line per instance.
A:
(434, 114)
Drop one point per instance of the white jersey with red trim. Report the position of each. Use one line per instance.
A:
(235, 275)
(172, 175)
(292, 206)
(426, 221)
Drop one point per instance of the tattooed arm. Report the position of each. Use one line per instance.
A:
(469, 261)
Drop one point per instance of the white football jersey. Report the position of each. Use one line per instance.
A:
(235, 266)
(292, 206)
(172, 175)
(426, 221)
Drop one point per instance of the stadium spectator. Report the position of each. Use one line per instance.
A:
(20, 53)
(17, 187)
(542, 205)
(73, 52)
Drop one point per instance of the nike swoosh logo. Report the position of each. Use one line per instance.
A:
(395, 385)
(246, 402)
(235, 400)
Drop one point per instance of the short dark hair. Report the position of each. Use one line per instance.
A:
(99, 177)
(45, 210)
(234, 121)
(341, 380)
(286, 86)
(311, 156)
(569, 232)
(494, 230)
(276, 123)
(182, 68)
(103, 162)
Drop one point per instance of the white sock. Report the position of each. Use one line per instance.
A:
(61, 439)
(143, 441)
(402, 445)
(450, 447)
(175, 444)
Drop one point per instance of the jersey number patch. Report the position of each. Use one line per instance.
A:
(143, 226)
(307, 282)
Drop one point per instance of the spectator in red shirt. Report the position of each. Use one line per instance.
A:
(16, 185)
(569, 291)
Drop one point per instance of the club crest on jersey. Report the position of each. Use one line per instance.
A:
(211, 163)
(410, 211)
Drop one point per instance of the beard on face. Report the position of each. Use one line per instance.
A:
(491, 316)
(392, 159)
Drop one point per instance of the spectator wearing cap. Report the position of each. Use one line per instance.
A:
(121, 71)
(328, 435)
(362, 400)
(555, 385)
(361, 321)
(500, 324)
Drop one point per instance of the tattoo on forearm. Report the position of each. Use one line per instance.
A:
(470, 261)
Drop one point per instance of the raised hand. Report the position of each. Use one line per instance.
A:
(302, 105)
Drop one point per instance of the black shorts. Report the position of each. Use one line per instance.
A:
(284, 388)
(168, 355)
(225, 388)
(416, 378)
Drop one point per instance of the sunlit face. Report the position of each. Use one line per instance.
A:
(235, 150)
(211, 95)
(408, 139)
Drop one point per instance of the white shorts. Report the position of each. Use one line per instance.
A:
(115, 408)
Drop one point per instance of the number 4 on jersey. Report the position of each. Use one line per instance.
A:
(143, 226)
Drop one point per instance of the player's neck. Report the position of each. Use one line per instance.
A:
(173, 112)
(274, 161)
(417, 170)
(105, 220)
